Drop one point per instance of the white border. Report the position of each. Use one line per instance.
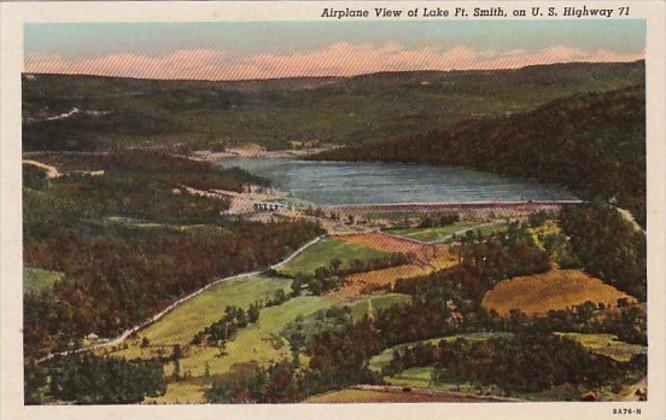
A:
(12, 18)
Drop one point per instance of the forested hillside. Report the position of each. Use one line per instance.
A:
(92, 113)
(127, 242)
(592, 143)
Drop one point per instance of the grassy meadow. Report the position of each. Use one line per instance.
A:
(432, 234)
(37, 279)
(321, 253)
(555, 289)
(607, 345)
(259, 343)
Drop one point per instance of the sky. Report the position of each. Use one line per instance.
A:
(266, 50)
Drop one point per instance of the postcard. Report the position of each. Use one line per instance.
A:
(337, 209)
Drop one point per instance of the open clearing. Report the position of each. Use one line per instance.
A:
(427, 258)
(425, 254)
(258, 342)
(180, 325)
(384, 243)
(321, 253)
(358, 284)
(37, 279)
(433, 233)
(607, 345)
(372, 305)
(553, 290)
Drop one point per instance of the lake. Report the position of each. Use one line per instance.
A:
(349, 183)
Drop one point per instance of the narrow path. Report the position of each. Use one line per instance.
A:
(465, 230)
(122, 337)
(403, 238)
(51, 171)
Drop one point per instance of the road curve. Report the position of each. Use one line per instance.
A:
(122, 337)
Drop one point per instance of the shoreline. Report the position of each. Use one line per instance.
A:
(255, 153)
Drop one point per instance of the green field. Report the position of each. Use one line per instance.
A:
(420, 377)
(417, 377)
(321, 253)
(180, 325)
(443, 233)
(607, 345)
(259, 342)
(377, 362)
(432, 234)
(37, 279)
(372, 305)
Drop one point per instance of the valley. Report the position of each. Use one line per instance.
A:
(303, 261)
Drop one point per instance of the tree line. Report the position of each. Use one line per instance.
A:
(522, 363)
(92, 379)
(224, 329)
(608, 246)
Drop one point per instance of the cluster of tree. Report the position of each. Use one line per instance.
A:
(500, 256)
(138, 184)
(302, 331)
(94, 380)
(444, 303)
(234, 318)
(445, 219)
(628, 322)
(593, 143)
(337, 359)
(83, 131)
(34, 177)
(247, 383)
(559, 249)
(331, 276)
(522, 363)
(608, 246)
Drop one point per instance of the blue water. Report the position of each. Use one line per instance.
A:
(346, 183)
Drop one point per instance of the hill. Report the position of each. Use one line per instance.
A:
(112, 112)
(592, 143)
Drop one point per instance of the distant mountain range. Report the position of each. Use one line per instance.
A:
(337, 110)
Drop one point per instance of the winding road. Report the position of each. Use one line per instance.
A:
(122, 337)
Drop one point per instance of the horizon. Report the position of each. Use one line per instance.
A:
(24, 73)
(233, 51)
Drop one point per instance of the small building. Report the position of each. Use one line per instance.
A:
(92, 337)
(269, 206)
